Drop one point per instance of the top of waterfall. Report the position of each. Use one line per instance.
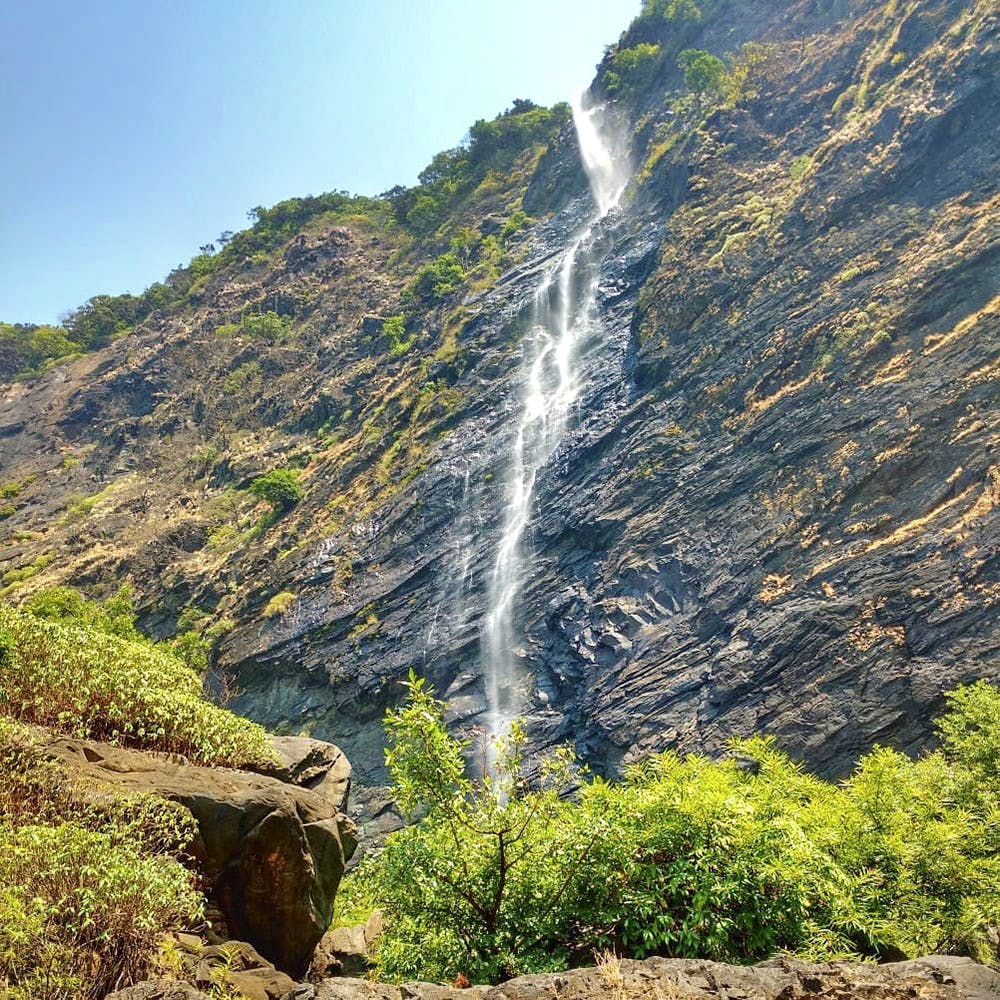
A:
(602, 150)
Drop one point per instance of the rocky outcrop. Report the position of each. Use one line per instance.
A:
(933, 978)
(272, 849)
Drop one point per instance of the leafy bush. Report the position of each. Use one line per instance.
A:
(267, 326)
(394, 329)
(671, 10)
(703, 72)
(732, 859)
(633, 69)
(439, 279)
(115, 616)
(454, 173)
(77, 678)
(800, 166)
(279, 487)
(88, 883)
(280, 604)
(82, 912)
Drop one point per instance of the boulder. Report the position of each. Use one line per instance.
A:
(346, 951)
(158, 989)
(272, 849)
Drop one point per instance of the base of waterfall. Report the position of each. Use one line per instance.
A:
(938, 977)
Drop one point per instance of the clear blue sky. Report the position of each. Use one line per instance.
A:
(135, 130)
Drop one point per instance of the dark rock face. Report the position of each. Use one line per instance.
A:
(272, 850)
(777, 507)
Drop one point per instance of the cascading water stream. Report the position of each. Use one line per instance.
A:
(563, 314)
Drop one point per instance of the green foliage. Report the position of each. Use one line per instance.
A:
(671, 10)
(475, 885)
(197, 636)
(87, 884)
(514, 224)
(274, 226)
(81, 911)
(800, 167)
(267, 326)
(243, 380)
(394, 329)
(26, 348)
(969, 733)
(14, 577)
(438, 280)
(113, 616)
(454, 173)
(280, 604)
(732, 859)
(279, 487)
(78, 678)
(703, 72)
(633, 69)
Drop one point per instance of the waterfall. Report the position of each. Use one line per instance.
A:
(563, 315)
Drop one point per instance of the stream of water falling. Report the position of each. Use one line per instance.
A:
(563, 314)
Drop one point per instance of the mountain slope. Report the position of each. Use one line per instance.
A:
(776, 507)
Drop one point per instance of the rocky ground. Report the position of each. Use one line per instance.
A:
(938, 978)
(778, 505)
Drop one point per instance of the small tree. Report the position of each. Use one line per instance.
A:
(280, 488)
(478, 886)
(703, 72)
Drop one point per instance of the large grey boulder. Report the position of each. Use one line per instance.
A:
(272, 849)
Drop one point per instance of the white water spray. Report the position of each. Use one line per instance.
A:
(563, 315)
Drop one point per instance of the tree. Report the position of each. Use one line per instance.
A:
(280, 488)
(703, 72)
(477, 886)
(633, 69)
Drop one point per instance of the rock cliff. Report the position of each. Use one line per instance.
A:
(776, 507)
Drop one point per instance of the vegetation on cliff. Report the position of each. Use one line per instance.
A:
(88, 885)
(92, 878)
(76, 677)
(731, 859)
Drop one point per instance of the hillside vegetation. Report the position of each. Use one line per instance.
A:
(733, 859)
(92, 882)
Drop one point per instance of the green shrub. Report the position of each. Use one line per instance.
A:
(801, 166)
(268, 326)
(439, 279)
(394, 329)
(633, 69)
(79, 679)
(82, 912)
(279, 487)
(671, 10)
(280, 604)
(247, 378)
(115, 615)
(7, 510)
(703, 72)
(732, 859)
